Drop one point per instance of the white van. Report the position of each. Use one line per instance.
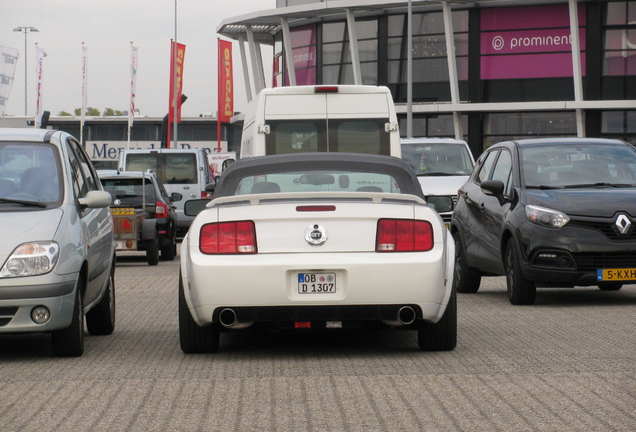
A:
(185, 171)
(326, 118)
(442, 166)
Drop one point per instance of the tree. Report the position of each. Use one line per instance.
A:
(93, 112)
(64, 114)
(108, 112)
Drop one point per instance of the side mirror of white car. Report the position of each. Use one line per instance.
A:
(95, 199)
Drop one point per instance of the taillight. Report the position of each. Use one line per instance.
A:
(326, 89)
(161, 210)
(204, 195)
(403, 235)
(228, 238)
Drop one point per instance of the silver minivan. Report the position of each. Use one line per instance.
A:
(57, 253)
(185, 171)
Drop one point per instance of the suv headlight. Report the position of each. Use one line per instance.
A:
(31, 259)
(546, 217)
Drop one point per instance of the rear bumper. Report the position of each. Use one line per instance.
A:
(264, 287)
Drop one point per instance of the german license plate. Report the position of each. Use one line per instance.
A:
(316, 283)
(627, 274)
(122, 211)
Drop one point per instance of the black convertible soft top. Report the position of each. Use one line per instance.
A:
(263, 165)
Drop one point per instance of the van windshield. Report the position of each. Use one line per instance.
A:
(438, 159)
(171, 168)
(332, 135)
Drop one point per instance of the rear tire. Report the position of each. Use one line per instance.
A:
(465, 279)
(101, 319)
(521, 291)
(441, 336)
(169, 250)
(69, 342)
(192, 338)
(152, 252)
(610, 286)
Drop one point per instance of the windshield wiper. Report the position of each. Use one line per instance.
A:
(22, 202)
(543, 187)
(601, 184)
(436, 174)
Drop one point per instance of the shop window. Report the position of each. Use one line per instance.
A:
(619, 57)
(511, 126)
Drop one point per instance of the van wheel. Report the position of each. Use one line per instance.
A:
(69, 342)
(152, 252)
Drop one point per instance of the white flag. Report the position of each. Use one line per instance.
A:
(38, 103)
(84, 81)
(8, 59)
(133, 84)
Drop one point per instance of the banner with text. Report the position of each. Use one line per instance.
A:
(8, 60)
(226, 82)
(529, 42)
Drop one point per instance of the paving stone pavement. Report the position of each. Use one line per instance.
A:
(566, 363)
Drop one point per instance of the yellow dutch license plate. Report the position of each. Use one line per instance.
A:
(122, 211)
(628, 274)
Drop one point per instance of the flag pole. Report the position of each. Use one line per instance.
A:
(218, 108)
(132, 93)
(174, 77)
(84, 95)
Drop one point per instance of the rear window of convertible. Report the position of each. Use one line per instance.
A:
(317, 181)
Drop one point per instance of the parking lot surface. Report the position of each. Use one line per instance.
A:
(567, 363)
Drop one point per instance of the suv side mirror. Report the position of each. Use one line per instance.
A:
(176, 196)
(494, 188)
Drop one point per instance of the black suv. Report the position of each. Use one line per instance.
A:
(143, 213)
(552, 212)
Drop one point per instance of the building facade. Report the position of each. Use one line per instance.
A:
(485, 71)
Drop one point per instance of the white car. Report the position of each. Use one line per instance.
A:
(442, 166)
(316, 241)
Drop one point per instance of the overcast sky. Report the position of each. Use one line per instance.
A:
(107, 28)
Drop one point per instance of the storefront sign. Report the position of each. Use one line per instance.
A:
(528, 42)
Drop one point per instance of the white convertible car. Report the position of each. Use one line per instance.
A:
(316, 241)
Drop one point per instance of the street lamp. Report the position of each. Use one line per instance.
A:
(26, 31)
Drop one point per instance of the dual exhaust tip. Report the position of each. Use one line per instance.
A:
(406, 315)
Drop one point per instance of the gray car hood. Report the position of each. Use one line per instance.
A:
(21, 227)
(594, 202)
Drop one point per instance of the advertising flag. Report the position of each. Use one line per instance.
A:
(177, 55)
(84, 82)
(133, 84)
(226, 83)
(8, 59)
(38, 86)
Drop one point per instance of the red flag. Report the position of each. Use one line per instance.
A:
(226, 82)
(177, 57)
(225, 105)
